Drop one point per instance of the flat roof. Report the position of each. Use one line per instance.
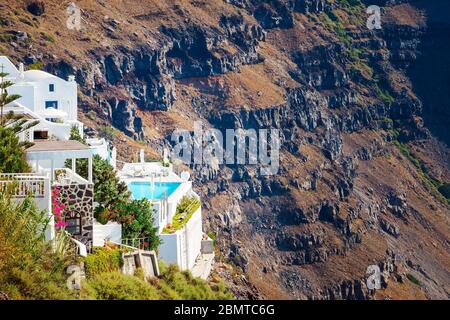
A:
(46, 145)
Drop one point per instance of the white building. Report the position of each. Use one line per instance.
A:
(50, 97)
(186, 246)
(53, 102)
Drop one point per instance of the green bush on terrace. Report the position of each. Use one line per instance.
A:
(29, 268)
(170, 285)
(103, 259)
(185, 209)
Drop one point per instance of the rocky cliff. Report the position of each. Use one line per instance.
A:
(360, 171)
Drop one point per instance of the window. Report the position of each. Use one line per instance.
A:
(40, 135)
(51, 104)
(73, 225)
(51, 87)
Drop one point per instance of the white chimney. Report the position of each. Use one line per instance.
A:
(165, 156)
(71, 78)
(142, 155)
(21, 71)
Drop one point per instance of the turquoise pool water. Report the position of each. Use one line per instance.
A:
(142, 190)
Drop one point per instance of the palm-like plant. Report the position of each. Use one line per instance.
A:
(5, 98)
(12, 156)
(16, 122)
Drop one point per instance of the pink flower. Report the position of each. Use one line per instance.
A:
(61, 224)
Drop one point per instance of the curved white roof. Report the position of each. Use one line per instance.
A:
(8, 67)
(37, 75)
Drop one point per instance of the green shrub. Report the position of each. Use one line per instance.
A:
(171, 285)
(213, 236)
(383, 94)
(108, 189)
(137, 218)
(183, 286)
(117, 286)
(413, 279)
(107, 132)
(185, 209)
(29, 269)
(48, 37)
(12, 154)
(36, 66)
(103, 260)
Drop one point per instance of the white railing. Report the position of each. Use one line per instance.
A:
(82, 250)
(22, 185)
(64, 176)
(124, 246)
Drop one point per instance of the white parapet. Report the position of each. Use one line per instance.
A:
(102, 233)
(183, 247)
(35, 186)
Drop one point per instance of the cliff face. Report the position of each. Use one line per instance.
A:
(360, 170)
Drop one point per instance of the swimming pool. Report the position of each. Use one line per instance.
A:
(142, 190)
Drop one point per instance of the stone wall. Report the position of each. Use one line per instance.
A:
(79, 201)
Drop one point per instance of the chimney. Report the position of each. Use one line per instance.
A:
(21, 71)
(71, 78)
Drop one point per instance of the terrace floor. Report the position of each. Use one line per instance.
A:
(203, 265)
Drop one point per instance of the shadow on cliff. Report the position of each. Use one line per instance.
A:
(430, 74)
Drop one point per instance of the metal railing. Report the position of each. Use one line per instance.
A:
(139, 243)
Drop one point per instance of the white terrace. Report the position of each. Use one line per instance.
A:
(47, 156)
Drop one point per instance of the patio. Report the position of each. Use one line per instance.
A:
(47, 156)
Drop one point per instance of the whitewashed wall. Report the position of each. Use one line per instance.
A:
(111, 231)
(183, 247)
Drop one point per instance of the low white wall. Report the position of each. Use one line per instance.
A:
(168, 249)
(194, 234)
(111, 231)
(184, 246)
(99, 146)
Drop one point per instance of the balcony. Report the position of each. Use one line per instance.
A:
(22, 185)
(36, 186)
(65, 177)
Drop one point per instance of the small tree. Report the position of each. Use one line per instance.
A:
(75, 135)
(108, 189)
(137, 218)
(81, 163)
(29, 267)
(5, 98)
(12, 154)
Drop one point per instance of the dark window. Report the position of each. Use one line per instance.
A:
(51, 87)
(51, 104)
(73, 225)
(40, 135)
